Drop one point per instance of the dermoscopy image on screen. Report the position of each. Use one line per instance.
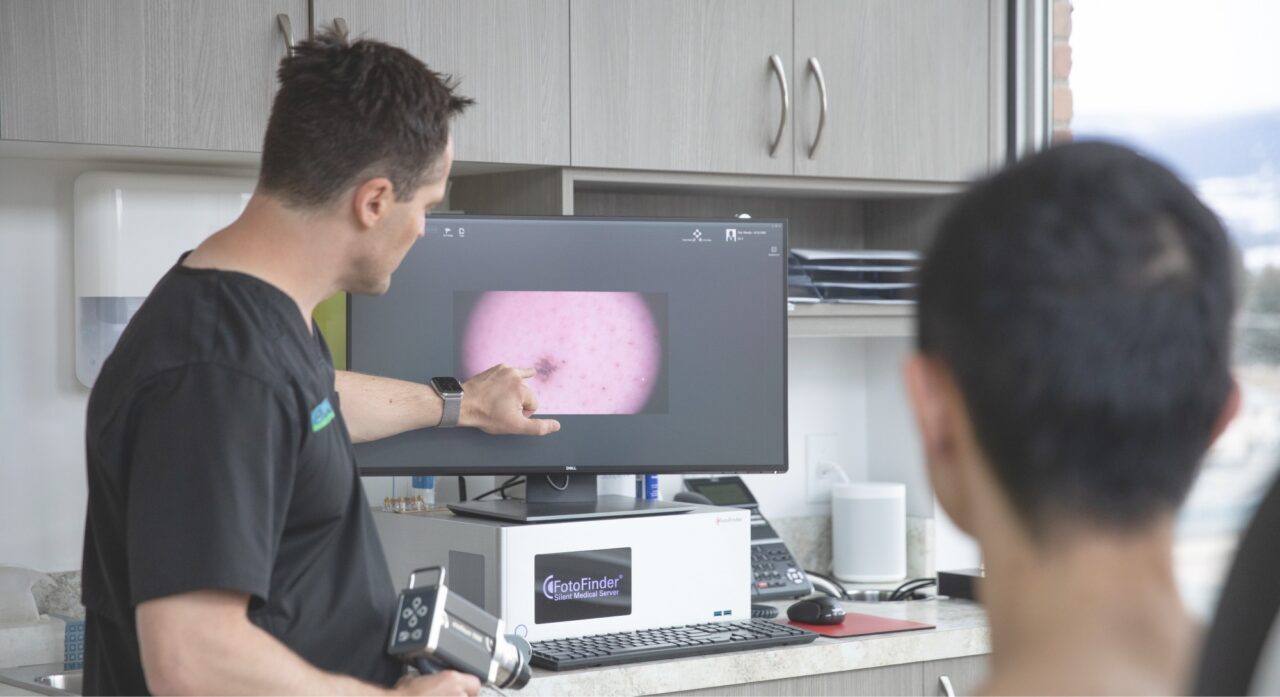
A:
(594, 352)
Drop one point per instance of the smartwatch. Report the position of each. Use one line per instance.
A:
(450, 390)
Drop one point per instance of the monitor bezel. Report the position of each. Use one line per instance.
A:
(502, 470)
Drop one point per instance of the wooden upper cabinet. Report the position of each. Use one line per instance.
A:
(511, 56)
(908, 86)
(142, 72)
(668, 85)
(680, 84)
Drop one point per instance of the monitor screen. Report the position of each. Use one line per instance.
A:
(659, 345)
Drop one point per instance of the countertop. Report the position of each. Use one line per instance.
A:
(961, 631)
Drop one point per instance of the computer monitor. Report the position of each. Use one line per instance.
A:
(659, 345)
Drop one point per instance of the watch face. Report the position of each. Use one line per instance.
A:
(447, 385)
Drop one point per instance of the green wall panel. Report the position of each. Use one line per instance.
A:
(331, 315)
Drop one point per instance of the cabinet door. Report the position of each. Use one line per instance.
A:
(908, 88)
(680, 84)
(965, 675)
(902, 680)
(197, 74)
(511, 56)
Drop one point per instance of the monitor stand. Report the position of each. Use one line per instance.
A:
(560, 497)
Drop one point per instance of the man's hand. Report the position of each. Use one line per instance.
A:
(448, 682)
(498, 402)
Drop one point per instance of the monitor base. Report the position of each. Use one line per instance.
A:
(602, 507)
(545, 501)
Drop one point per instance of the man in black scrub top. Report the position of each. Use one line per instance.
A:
(229, 547)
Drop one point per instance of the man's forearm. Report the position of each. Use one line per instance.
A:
(230, 656)
(497, 401)
(376, 407)
(256, 663)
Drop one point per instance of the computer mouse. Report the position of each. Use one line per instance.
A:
(820, 610)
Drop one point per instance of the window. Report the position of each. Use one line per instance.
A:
(1196, 84)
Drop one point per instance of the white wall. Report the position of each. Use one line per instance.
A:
(822, 397)
(851, 387)
(42, 405)
(42, 484)
(893, 448)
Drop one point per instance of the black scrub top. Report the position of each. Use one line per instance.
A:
(218, 459)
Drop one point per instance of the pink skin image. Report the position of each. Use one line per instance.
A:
(594, 352)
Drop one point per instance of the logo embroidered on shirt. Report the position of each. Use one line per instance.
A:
(321, 415)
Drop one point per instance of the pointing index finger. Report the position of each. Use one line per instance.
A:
(526, 373)
(542, 427)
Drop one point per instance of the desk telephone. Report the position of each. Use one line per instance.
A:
(775, 573)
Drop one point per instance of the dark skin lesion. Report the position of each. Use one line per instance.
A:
(546, 367)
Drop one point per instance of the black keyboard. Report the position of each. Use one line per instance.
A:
(666, 643)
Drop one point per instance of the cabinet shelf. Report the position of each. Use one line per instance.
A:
(851, 320)
(779, 185)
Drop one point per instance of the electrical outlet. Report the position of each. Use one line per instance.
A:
(821, 449)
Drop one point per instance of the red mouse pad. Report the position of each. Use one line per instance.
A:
(857, 624)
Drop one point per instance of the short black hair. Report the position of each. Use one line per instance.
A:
(348, 111)
(1083, 300)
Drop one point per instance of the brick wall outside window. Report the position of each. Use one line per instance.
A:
(1061, 61)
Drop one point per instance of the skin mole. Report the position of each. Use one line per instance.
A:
(546, 366)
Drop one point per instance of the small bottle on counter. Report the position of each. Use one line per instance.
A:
(647, 487)
(425, 488)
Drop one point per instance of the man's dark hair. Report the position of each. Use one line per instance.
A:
(1082, 299)
(348, 111)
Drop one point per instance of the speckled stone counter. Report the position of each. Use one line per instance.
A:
(961, 631)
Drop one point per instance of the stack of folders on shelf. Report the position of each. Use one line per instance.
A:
(851, 276)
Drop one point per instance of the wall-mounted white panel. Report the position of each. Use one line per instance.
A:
(130, 228)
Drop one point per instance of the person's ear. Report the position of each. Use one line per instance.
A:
(372, 201)
(934, 402)
(1230, 409)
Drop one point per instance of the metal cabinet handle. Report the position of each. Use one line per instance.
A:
(946, 686)
(778, 70)
(341, 25)
(286, 30)
(816, 69)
